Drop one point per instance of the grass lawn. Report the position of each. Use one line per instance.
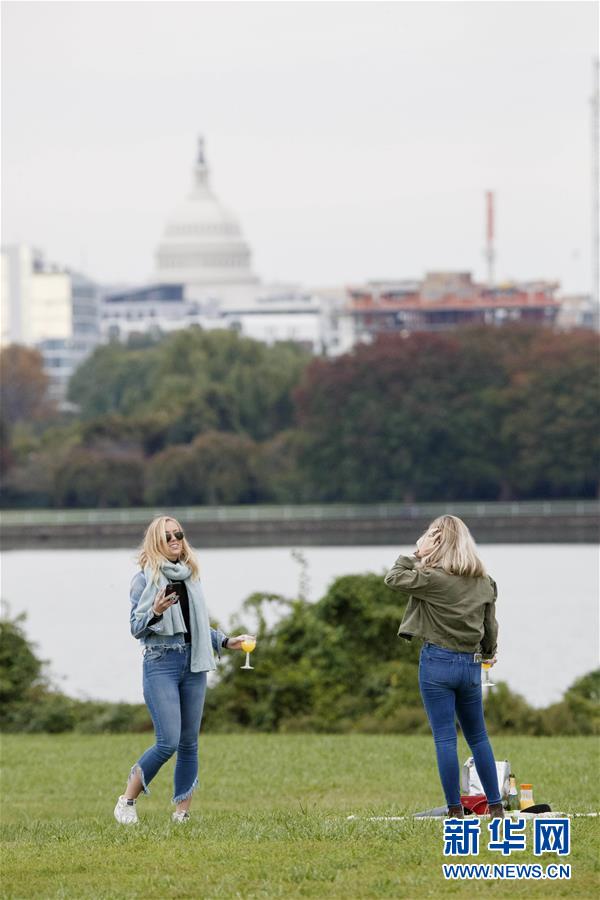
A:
(270, 818)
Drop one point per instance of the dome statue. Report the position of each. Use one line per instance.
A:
(202, 243)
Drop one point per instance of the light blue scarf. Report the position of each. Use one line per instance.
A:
(203, 659)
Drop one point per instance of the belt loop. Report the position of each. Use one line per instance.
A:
(477, 657)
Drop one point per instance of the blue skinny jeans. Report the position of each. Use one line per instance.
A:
(175, 698)
(450, 686)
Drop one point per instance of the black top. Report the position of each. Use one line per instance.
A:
(179, 588)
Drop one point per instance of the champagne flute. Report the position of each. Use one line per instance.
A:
(248, 646)
(486, 666)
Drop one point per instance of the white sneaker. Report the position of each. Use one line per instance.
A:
(180, 817)
(125, 812)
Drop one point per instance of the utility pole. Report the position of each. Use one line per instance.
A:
(595, 103)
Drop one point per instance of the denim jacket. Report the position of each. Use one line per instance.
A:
(150, 635)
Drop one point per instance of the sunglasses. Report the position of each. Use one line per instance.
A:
(179, 535)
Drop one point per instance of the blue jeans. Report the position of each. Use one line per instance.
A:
(450, 685)
(175, 697)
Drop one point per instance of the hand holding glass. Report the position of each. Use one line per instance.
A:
(486, 666)
(248, 646)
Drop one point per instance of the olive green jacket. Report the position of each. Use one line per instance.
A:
(452, 611)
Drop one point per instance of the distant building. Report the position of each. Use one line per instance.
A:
(577, 311)
(202, 246)
(50, 308)
(269, 314)
(204, 277)
(446, 300)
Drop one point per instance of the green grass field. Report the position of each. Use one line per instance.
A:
(269, 818)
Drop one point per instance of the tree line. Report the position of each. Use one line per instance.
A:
(201, 417)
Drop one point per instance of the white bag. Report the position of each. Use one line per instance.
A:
(471, 785)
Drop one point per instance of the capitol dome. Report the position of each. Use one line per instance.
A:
(202, 243)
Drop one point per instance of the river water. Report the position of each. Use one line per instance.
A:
(77, 607)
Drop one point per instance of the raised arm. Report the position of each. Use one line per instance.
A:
(404, 576)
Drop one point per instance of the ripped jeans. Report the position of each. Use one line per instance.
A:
(175, 698)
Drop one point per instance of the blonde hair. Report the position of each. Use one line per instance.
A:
(455, 552)
(154, 551)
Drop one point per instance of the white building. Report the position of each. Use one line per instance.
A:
(50, 308)
(203, 276)
(202, 246)
(577, 311)
(272, 314)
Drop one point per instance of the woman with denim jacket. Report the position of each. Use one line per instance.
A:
(170, 619)
(452, 608)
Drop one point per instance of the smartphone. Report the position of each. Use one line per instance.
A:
(172, 589)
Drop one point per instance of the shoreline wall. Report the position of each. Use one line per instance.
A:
(558, 522)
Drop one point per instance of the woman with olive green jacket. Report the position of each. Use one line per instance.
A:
(452, 608)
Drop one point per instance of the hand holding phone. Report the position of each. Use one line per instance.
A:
(171, 593)
(164, 599)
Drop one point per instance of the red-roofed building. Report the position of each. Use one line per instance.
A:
(446, 300)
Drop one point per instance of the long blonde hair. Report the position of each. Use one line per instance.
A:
(456, 551)
(154, 551)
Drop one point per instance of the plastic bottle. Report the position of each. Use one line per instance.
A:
(526, 796)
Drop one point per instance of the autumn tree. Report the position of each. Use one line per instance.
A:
(23, 386)
(473, 414)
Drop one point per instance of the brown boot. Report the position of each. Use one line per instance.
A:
(455, 812)
(496, 811)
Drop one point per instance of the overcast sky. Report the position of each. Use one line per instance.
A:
(353, 140)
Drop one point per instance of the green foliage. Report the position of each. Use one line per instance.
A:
(579, 710)
(215, 468)
(551, 425)
(41, 711)
(278, 468)
(473, 414)
(96, 479)
(20, 669)
(50, 712)
(96, 717)
(506, 711)
(26, 701)
(113, 379)
(331, 667)
(328, 666)
(29, 704)
(200, 381)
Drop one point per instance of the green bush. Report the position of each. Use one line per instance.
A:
(111, 718)
(328, 666)
(325, 667)
(41, 710)
(29, 704)
(20, 669)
